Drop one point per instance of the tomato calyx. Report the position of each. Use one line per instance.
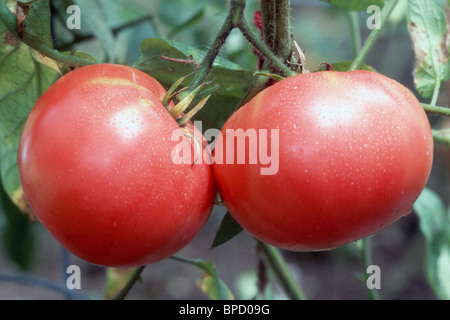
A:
(297, 58)
(183, 105)
(178, 110)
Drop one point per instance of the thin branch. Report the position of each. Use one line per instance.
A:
(373, 36)
(366, 257)
(33, 281)
(279, 266)
(235, 19)
(189, 60)
(234, 13)
(355, 33)
(130, 283)
(431, 109)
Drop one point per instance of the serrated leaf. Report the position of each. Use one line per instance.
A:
(355, 5)
(427, 27)
(233, 81)
(228, 229)
(435, 226)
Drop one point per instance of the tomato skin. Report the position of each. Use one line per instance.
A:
(95, 165)
(355, 152)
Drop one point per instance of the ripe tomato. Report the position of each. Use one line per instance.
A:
(95, 165)
(353, 152)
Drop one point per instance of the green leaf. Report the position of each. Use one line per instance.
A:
(38, 21)
(210, 282)
(427, 27)
(22, 81)
(158, 59)
(17, 234)
(355, 5)
(228, 229)
(435, 226)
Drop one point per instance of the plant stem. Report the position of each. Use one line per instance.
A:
(130, 283)
(373, 36)
(366, 255)
(355, 33)
(34, 281)
(263, 49)
(432, 109)
(33, 41)
(282, 47)
(268, 15)
(436, 89)
(235, 13)
(235, 19)
(278, 264)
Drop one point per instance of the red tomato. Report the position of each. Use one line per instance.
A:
(354, 151)
(95, 165)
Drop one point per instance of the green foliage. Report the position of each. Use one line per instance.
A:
(16, 233)
(22, 81)
(168, 61)
(210, 282)
(355, 5)
(95, 21)
(428, 29)
(435, 226)
(228, 229)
